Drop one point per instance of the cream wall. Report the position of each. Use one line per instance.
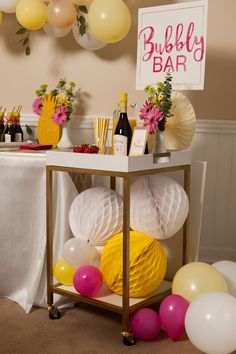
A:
(104, 73)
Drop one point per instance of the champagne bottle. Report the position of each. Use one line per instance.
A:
(1, 126)
(9, 131)
(18, 129)
(123, 131)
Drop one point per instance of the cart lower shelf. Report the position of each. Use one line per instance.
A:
(111, 301)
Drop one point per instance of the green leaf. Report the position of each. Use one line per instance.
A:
(25, 41)
(29, 129)
(83, 9)
(27, 50)
(22, 30)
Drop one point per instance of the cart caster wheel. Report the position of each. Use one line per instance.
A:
(129, 340)
(53, 313)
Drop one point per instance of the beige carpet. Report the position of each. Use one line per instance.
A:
(83, 329)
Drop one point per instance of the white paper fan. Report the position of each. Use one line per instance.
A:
(180, 128)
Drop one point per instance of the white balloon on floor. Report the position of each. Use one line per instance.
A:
(210, 323)
(158, 206)
(77, 252)
(228, 270)
(87, 41)
(96, 215)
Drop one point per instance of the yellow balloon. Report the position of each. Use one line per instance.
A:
(31, 14)
(196, 278)
(63, 272)
(1, 17)
(109, 20)
(147, 264)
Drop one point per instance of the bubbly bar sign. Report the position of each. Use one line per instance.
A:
(172, 37)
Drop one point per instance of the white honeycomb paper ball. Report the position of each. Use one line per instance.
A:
(96, 215)
(158, 206)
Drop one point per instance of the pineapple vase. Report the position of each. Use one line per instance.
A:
(48, 131)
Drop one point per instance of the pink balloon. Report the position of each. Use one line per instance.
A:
(145, 324)
(88, 280)
(172, 313)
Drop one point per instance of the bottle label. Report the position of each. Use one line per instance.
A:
(7, 138)
(18, 137)
(120, 145)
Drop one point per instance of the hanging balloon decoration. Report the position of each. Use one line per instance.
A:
(109, 21)
(87, 41)
(8, 6)
(31, 14)
(55, 31)
(82, 2)
(61, 13)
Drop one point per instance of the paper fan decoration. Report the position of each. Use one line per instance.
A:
(180, 128)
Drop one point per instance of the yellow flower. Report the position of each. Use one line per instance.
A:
(62, 99)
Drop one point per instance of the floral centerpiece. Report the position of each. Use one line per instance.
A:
(156, 110)
(65, 95)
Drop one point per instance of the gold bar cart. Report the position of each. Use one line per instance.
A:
(126, 168)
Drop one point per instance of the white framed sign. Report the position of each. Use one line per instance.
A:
(172, 37)
(138, 142)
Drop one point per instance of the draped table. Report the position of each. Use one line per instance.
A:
(23, 225)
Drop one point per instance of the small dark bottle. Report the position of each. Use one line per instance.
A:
(19, 137)
(1, 126)
(123, 131)
(9, 131)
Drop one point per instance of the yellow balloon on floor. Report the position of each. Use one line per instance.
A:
(147, 264)
(63, 272)
(31, 14)
(196, 278)
(109, 21)
(1, 17)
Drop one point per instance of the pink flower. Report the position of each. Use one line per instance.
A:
(60, 115)
(145, 109)
(151, 119)
(38, 105)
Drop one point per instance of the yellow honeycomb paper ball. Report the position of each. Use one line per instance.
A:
(148, 264)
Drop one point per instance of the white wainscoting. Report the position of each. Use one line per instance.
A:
(214, 142)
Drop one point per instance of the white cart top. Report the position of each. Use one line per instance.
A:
(114, 163)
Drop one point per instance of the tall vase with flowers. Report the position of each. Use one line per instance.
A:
(157, 109)
(62, 98)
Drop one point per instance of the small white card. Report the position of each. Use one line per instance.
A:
(138, 143)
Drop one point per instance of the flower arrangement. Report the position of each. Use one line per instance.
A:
(158, 105)
(65, 96)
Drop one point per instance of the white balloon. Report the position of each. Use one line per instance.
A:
(228, 270)
(96, 215)
(158, 206)
(8, 6)
(55, 31)
(210, 323)
(77, 252)
(87, 41)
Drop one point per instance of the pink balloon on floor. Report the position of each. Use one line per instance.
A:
(88, 280)
(172, 313)
(145, 324)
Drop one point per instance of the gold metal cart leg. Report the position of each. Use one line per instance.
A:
(186, 224)
(53, 312)
(128, 337)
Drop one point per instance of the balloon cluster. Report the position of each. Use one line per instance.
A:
(94, 23)
(202, 304)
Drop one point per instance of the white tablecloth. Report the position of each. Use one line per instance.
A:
(23, 225)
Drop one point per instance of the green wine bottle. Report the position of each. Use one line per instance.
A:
(123, 131)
